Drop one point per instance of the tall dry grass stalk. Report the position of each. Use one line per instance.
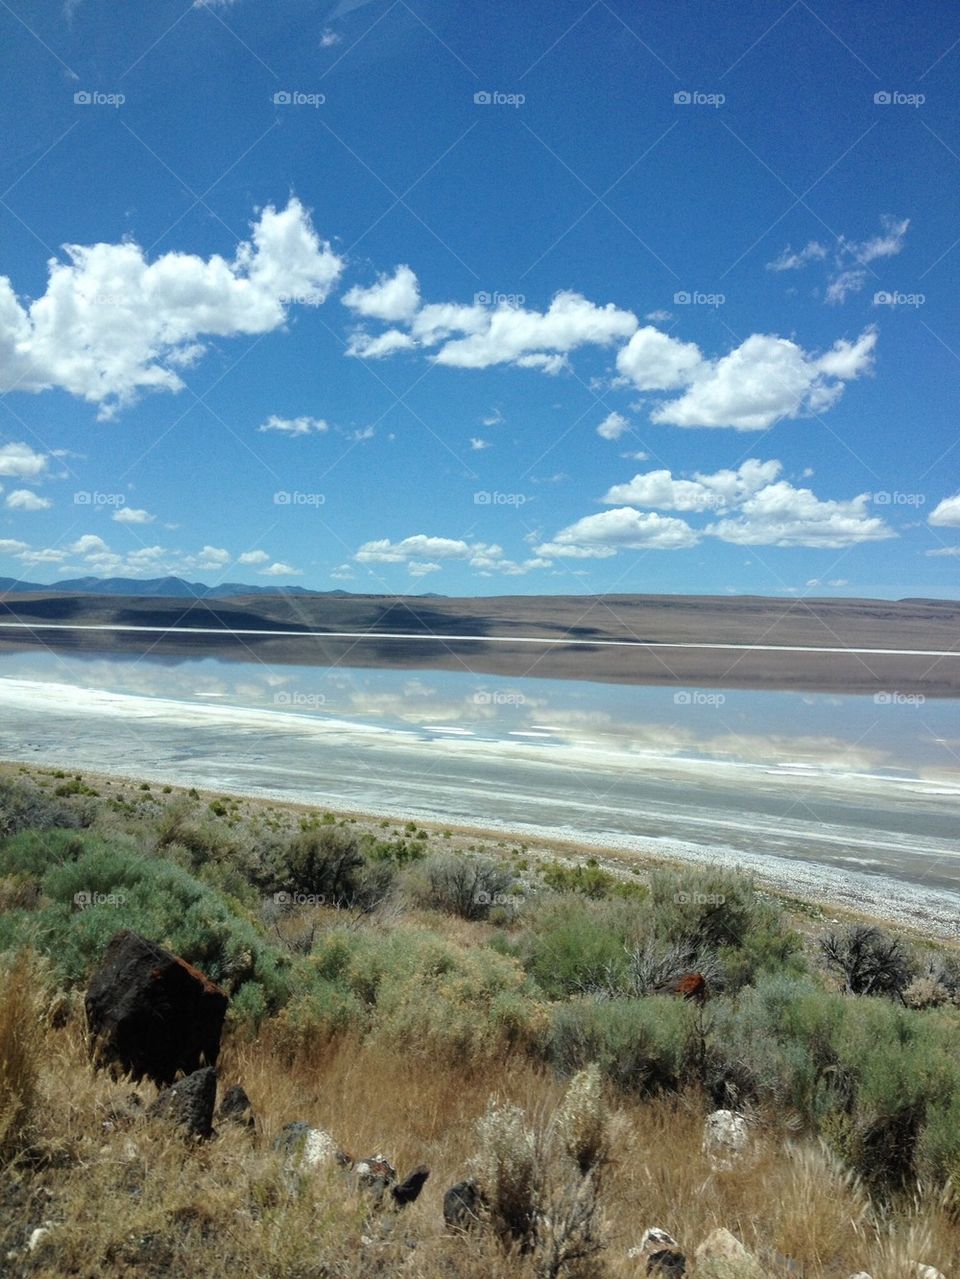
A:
(20, 1041)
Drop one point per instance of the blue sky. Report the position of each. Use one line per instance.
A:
(482, 298)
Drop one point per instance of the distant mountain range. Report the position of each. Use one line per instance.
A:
(171, 587)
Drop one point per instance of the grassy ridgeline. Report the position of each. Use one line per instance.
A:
(480, 970)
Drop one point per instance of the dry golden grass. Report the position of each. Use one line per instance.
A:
(137, 1200)
(19, 1055)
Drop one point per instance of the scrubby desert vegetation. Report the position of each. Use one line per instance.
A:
(490, 1013)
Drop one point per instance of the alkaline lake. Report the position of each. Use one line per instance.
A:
(851, 799)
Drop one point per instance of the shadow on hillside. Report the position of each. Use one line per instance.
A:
(199, 614)
(58, 609)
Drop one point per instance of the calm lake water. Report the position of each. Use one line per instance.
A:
(854, 790)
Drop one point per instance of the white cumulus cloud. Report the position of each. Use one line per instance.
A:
(722, 489)
(420, 546)
(364, 347)
(294, 426)
(599, 536)
(279, 569)
(112, 325)
(765, 380)
(210, 558)
(18, 459)
(421, 550)
(89, 544)
(538, 339)
(27, 500)
(655, 362)
(132, 515)
(751, 506)
(393, 299)
(946, 514)
(98, 557)
(781, 515)
(613, 426)
(480, 335)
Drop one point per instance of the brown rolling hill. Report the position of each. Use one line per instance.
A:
(637, 620)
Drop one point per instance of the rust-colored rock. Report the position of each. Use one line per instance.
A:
(687, 986)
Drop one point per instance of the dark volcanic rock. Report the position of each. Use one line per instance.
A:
(409, 1190)
(462, 1205)
(152, 1014)
(189, 1103)
(667, 1263)
(236, 1109)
